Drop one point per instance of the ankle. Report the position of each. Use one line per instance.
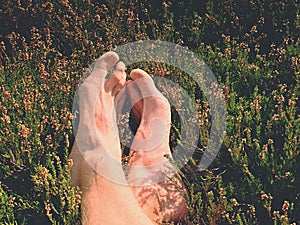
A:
(99, 169)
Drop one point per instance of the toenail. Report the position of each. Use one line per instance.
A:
(120, 66)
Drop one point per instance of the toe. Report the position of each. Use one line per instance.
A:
(145, 83)
(107, 61)
(117, 81)
(134, 92)
(121, 101)
(136, 99)
(102, 65)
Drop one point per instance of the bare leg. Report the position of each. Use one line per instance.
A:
(160, 197)
(97, 152)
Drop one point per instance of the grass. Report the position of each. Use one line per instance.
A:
(251, 46)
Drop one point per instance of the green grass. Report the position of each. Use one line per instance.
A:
(251, 46)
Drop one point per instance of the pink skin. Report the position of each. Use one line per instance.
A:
(104, 201)
(162, 200)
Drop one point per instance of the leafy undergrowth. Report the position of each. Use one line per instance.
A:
(251, 46)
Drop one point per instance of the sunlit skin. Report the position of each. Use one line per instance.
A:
(161, 201)
(104, 201)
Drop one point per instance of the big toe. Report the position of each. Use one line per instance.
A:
(107, 61)
(102, 66)
(144, 82)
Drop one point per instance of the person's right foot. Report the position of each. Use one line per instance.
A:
(150, 174)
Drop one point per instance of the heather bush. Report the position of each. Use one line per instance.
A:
(251, 46)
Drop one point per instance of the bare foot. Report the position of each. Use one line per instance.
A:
(96, 154)
(97, 126)
(158, 191)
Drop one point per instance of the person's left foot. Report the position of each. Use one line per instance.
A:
(97, 127)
